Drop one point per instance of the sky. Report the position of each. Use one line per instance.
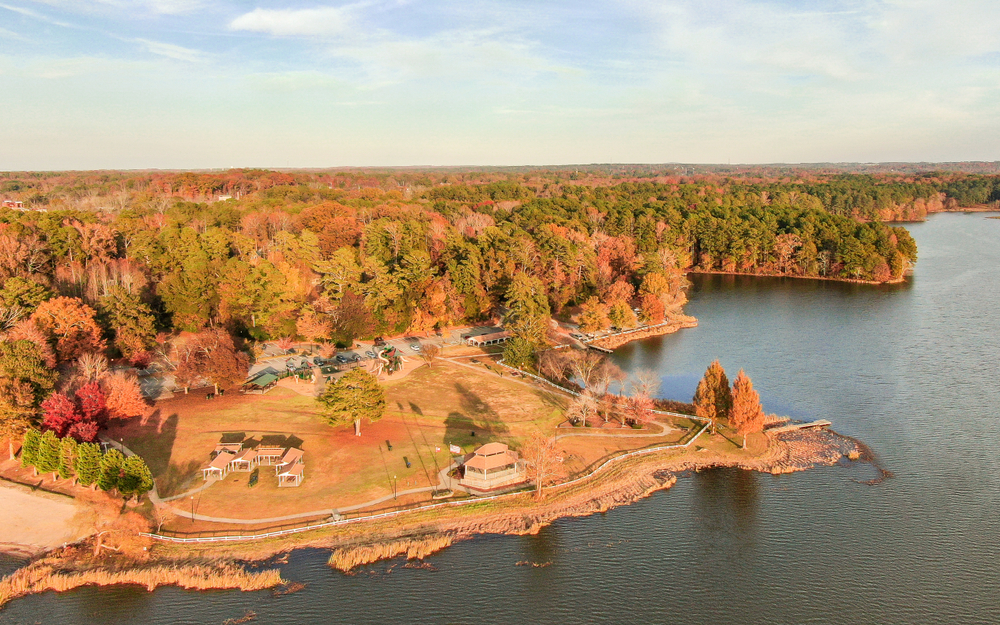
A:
(190, 84)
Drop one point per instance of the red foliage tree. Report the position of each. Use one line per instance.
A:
(60, 414)
(84, 431)
(92, 402)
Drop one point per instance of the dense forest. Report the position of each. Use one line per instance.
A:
(116, 264)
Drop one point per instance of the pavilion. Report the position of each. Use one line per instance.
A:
(492, 466)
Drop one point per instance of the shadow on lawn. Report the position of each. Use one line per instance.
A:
(476, 416)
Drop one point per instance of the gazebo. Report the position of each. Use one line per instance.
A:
(491, 466)
(244, 462)
(260, 384)
(219, 466)
(290, 469)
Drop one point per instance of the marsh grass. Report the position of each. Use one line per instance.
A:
(58, 575)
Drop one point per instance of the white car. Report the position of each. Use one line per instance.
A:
(415, 347)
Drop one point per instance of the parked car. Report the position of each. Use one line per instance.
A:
(318, 361)
(341, 359)
(379, 342)
(415, 347)
(370, 354)
(355, 358)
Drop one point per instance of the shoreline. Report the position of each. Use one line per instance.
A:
(898, 280)
(615, 341)
(619, 484)
(206, 566)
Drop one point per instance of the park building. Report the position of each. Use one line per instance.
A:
(491, 467)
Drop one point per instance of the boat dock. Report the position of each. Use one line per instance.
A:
(791, 427)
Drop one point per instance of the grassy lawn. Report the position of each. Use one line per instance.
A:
(427, 410)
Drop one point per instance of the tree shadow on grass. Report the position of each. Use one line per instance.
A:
(177, 478)
(151, 437)
(483, 415)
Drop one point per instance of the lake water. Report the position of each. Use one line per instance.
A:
(912, 370)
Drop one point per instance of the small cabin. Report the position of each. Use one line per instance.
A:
(492, 466)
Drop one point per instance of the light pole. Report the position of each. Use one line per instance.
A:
(393, 486)
(192, 509)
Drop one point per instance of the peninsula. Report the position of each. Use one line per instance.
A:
(207, 368)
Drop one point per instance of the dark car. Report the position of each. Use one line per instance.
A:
(355, 358)
(341, 359)
(318, 361)
(379, 342)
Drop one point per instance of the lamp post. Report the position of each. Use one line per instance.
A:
(393, 486)
(192, 509)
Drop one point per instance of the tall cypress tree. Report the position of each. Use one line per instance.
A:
(88, 463)
(48, 454)
(723, 395)
(136, 477)
(67, 457)
(29, 447)
(111, 469)
(747, 413)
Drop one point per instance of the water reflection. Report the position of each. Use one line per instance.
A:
(727, 502)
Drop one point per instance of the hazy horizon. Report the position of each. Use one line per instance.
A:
(191, 84)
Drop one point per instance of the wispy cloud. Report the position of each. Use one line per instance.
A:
(36, 15)
(158, 7)
(171, 51)
(319, 21)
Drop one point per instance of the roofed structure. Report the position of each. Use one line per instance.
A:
(492, 466)
(219, 466)
(488, 339)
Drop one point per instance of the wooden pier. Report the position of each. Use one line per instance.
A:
(791, 427)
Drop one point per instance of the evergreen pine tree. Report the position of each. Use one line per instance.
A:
(136, 477)
(48, 453)
(111, 469)
(29, 447)
(88, 463)
(67, 456)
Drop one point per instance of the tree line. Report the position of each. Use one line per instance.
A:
(85, 463)
(136, 267)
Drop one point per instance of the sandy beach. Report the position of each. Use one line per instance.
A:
(34, 521)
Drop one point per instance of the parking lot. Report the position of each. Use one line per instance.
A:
(409, 347)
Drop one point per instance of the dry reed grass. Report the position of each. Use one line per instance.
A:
(56, 574)
(346, 558)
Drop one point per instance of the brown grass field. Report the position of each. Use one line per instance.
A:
(426, 411)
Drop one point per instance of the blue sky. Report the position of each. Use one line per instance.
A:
(195, 84)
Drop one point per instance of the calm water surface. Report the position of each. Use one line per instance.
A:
(911, 369)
